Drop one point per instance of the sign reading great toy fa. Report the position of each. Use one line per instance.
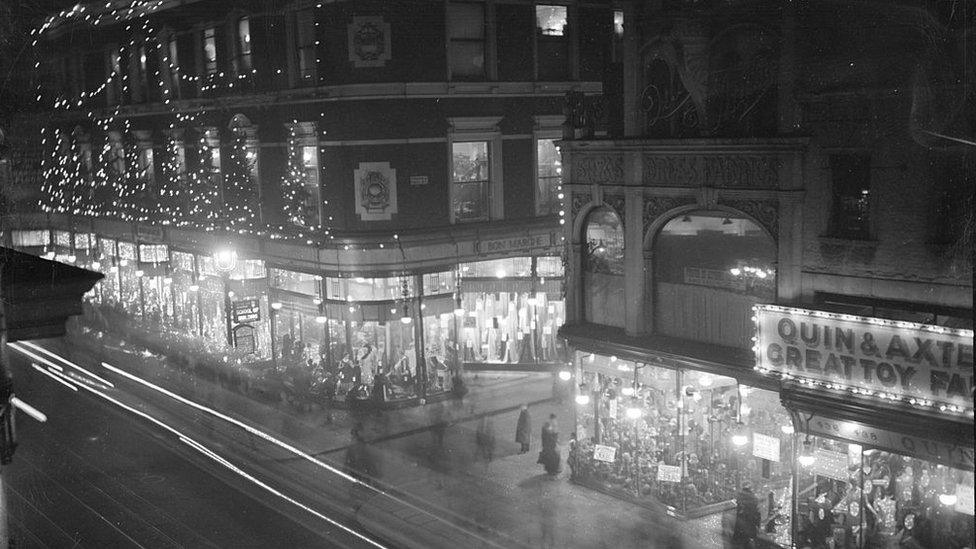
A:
(900, 358)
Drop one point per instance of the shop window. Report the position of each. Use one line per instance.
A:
(710, 269)
(153, 253)
(244, 63)
(173, 66)
(370, 289)
(293, 281)
(30, 239)
(851, 177)
(62, 239)
(470, 180)
(182, 261)
(851, 496)
(305, 47)
(209, 53)
(466, 26)
(517, 327)
(440, 283)
(549, 267)
(552, 43)
(603, 268)
(498, 268)
(106, 247)
(548, 177)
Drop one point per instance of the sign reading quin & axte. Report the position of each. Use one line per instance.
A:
(902, 358)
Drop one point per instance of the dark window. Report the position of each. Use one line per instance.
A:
(173, 60)
(852, 196)
(466, 24)
(552, 42)
(549, 177)
(210, 51)
(143, 70)
(305, 47)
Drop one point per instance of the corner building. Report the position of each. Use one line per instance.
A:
(302, 184)
(769, 278)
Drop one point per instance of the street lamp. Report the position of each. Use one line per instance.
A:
(806, 457)
(224, 261)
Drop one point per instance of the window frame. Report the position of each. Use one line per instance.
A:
(486, 72)
(547, 127)
(244, 58)
(841, 189)
(305, 76)
(567, 38)
(470, 129)
(208, 68)
(172, 58)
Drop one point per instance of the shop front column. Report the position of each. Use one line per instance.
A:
(420, 346)
(634, 262)
(573, 283)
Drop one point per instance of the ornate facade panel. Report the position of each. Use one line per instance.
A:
(766, 212)
(603, 169)
(578, 201)
(729, 171)
(656, 206)
(617, 202)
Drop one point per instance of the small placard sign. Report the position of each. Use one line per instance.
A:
(668, 473)
(604, 453)
(765, 447)
(418, 180)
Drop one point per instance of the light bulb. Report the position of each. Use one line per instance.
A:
(627, 391)
(406, 319)
(740, 437)
(634, 412)
(787, 429)
(321, 319)
(565, 375)
(582, 400)
(459, 312)
(948, 499)
(276, 305)
(806, 457)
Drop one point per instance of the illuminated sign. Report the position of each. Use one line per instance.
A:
(904, 359)
(604, 453)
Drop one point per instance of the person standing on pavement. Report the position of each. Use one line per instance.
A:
(523, 429)
(747, 519)
(485, 440)
(549, 456)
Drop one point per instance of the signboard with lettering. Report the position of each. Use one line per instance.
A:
(515, 244)
(244, 339)
(964, 500)
(901, 358)
(604, 453)
(247, 310)
(765, 447)
(418, 180)
(943, 452)
(668, 473)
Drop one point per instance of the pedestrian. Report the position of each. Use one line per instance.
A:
(523, 429)
(747, 518)
(485, 440)
(549, 456)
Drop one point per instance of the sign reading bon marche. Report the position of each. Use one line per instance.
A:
(902, 358)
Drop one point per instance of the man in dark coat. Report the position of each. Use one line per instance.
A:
(523, 430)
(549, 456)
(747, 518)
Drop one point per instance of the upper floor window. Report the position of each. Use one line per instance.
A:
(470, 180)
(603, 268)
(146, 172)
(466, 27)
(552, 42)
(244, 45)
(209, 51)
(173, 62)
(548, 177)
(306, 47)
(313, 198)
(618, 35)
(114, 88)
(143, 71)
(851, 176)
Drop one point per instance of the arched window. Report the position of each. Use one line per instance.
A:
(603, 268)
(710, 268)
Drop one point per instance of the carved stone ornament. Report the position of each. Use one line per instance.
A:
(598, 169)
(766, 212)
(578, 201)
(656, 206)
(728, 171)
(376, 196)
(618, 203)
(369, 42)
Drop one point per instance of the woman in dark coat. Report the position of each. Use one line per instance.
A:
(549, 456)
(523, 430)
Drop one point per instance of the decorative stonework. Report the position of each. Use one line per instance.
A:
(618, 203)
(598, 169)
(727, 171)
(376, 193)
(656, 206)
(578, 201)
(766, 212)
(369, 42)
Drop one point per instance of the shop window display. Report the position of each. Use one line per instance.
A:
(674, 436)
(510, 327)
(851, 496)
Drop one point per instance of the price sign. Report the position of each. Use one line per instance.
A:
(604, 453)
(964, 499)
(830, 464)
(765, 447)
(668, 473)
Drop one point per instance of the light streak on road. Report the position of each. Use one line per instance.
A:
(38, 348)
(193, 443)
(28, 409)
(50, 374)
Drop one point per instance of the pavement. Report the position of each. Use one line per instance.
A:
(508, 498)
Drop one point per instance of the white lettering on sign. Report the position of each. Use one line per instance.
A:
(418, 180)
(668, 473)
(902, 358)
(830, 464)
(512, 244)
(964, 500)
(765, 447)
(946, 453)
(604, 453)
